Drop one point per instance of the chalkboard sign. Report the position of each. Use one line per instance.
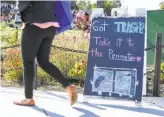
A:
(116, 58)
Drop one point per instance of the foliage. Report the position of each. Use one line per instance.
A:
(12, 60)
(74, 5)
(64, 60)
(79, 70)
(14, 76)
(92, 6)
(9, 35)
(162, 5)
(162, 73)
(107, 5)
(81, 5)
(117, 3)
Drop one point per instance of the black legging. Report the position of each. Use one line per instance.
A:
(36, 43)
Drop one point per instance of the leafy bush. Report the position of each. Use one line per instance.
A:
(11, 57)
(9, 36)
(65, 60)
(79, 70)
(162, 73)
(162, 5)
(13, 76)
(12, 61)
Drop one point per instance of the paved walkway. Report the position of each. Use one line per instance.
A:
(56, 104)
(158, 101)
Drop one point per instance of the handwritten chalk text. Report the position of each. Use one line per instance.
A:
(100, 27)
(102, 42)
(130, 42)
(127, 57)
(130, 27)
(96, 53)
(119, 42)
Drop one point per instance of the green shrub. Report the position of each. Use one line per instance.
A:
(162, 5)
(65, 60)
(12, 61)
(12, 58)
(162, 73)
(9, 36)
(15, 75)
(79, 70)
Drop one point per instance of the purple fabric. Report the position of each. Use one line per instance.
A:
(64, 15)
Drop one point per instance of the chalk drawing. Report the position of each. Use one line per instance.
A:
(121, 81)
(102, 80)
(125, 82)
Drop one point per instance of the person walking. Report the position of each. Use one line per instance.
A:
(38, 33)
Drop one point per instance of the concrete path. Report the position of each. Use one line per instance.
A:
(158, 101)
(56, 104)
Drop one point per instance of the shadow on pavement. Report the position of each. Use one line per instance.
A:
(100, 107)
(136, 109)
(86, 112)
(46, 112)
(59, 96)
(92, 105)
(86, 104)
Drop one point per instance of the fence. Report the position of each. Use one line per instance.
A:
(153, 73)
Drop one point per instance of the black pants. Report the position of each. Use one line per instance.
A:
(36, 43)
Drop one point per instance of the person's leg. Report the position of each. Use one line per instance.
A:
(43, 62)
(30, 42)
(51, 69)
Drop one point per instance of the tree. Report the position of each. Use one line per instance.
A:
(107, 5)
(162, 5)
(74, 5)
(116, 3)
(82, 5)
(100, 4)
(91, 6)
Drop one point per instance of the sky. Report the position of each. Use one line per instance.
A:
(148, 4)
(133, 4)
